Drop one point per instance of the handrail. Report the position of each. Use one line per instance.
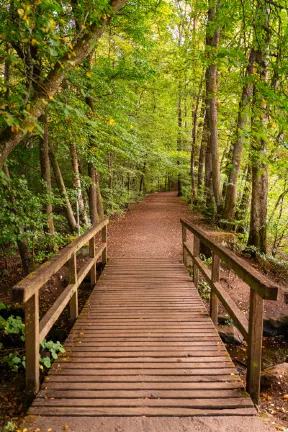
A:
(258, 282)
(27, 292)
(260, 288)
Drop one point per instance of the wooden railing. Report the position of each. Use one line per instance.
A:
(260, 289)
(27, 293)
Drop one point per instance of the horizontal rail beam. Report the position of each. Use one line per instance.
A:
(34, 281)
(265, 288)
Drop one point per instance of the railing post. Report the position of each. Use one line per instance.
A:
(215, 277)
(104, 240)
(73, 304)
(196, 252)
(184, 239)
(32, 344)
(93, 274)
(256, 313)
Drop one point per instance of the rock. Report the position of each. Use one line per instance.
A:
(278, 326)
(230, 335)
(275, 376)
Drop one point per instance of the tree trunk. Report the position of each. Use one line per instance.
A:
(45, 174)
(212, 42)
(22, 243)
(194, 144)
(93, 194)
(242, 122)
(62, 189)
(202, 156)
(100, 206)
(179, 138)
(244, 203)
(258, 215)
(77, 182)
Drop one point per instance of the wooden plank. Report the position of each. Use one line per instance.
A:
(140, 386)
(136, 393)
(259, 283)
(215, 277)
(158, 372)
(93, 275)
(146, 402)
(145, 360)
(32, 344)
(256, 313)
(143, 411)
(72, 277)
(153, 379)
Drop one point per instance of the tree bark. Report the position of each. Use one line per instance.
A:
(93, 194)
(179, 137)
(212, 42)
(49, 87)
(62, 189)
(258, 215)
(202, 156)
(45, 173)
(77, 182)
(242, 121)
(194, 143)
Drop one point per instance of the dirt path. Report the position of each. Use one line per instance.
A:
(150, 229)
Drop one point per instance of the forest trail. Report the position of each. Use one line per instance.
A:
(150, 229)
(144, 355)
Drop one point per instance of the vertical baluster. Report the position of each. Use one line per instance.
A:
(256, 312)
(93, 274)
(196, 252)
(104, 240)
(184, 239)
(215, 277)
(32, 343)
(73, 304)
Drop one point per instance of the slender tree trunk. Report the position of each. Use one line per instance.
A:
(258, 215)
(242, 122)
(100, 205)
(202, 156)
(194, 143)
(77, 182)
(62, 189)
(243, 207)
(212, 42)
(93, 194)
(45, 173)
(179, 137)
(22, 243)
(141, 186)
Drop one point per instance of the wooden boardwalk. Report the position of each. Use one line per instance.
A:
(143, 345)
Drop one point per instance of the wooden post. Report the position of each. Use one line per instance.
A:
(104, 240)
(93, 274)
(32, 344)
(256, 313)
(184, 239)
(72, 266)
(196, 252)
(215, 277)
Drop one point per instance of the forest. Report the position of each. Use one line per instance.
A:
(104, 102)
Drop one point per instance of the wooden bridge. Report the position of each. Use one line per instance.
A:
(144, 344)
